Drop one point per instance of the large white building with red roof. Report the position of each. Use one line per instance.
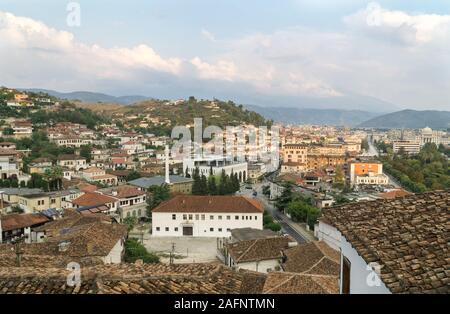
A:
(206, 216)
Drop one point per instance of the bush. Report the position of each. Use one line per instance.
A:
(274, 226)
(135, 250)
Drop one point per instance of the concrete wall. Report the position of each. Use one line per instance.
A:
(261, 266)
(359, 272)
(330, 235)
(201, 228)
(115, 256)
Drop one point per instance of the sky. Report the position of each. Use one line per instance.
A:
(344, 53)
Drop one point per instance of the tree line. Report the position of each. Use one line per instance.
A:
(223, 185)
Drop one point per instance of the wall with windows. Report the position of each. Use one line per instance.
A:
(204, 224)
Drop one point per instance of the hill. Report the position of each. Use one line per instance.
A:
(91, 97)
(411, 119)
(183, 112)
(314, 116)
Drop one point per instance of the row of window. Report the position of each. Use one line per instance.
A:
(211, 217)
(167, 229)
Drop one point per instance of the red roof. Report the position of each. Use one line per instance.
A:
(93, 199)
(210, 204)
(18, 221)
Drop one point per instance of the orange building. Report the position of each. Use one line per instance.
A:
(364, 169)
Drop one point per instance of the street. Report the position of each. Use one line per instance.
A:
(288, 226)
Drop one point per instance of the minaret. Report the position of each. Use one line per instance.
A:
(167, 165)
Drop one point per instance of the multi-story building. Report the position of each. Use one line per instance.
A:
(22, 129)
(369, 173)
(131, 200)
(73, 162)
(295, 158)
(407, 146)
(206, 216)
(215, 165)
(94, 174)
(71, 141)
(8, 168)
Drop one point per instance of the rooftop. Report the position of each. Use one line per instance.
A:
(407, 236)
(91, 199)
(258, 250)
(209, 204)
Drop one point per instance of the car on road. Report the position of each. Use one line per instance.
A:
(255, 193)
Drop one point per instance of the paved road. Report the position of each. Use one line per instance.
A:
(283, 220)
(373, 150)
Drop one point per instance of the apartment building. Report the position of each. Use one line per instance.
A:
(94, 174)
(295, 158)
(407, 146)
(72, 162)
(206, 216)
(367, 173)
(22, 129)
(216, 164)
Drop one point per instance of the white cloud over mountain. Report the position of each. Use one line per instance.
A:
(392, 55)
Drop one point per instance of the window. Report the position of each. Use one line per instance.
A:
(243, 218)
(167, 228)
(228, 217)
(256, 217)
(236, 217)
(197, 216)
(220, 229)
(174, 217)
(219, 217)
(176, 228)
(211, 217)
(346, 266)
(157, 228)
(228, 229)
(184, 217)
(250, 217)
(203, 217)
(190, 216)
(211, 229)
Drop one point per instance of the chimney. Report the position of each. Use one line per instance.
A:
(167, 165)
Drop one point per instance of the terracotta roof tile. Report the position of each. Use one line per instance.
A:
(210, 204)
(408, 237)
(93, 199)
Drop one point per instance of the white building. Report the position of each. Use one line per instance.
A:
(216, 164)
(8, 168)
(409, 147)
(72, 162)
(206, 216)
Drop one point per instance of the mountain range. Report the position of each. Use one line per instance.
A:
(376, 113)
(411, 119)
(314, 116)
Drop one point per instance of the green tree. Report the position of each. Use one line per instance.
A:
(212, 186)
(136, 251)
(133, 175)
(85, 151)
(131, 222)
(160, 193)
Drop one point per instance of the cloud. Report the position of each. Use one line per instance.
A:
(391, 55)
(208, 35)
(410, 29)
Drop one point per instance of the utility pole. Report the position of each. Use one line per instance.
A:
(172, 254)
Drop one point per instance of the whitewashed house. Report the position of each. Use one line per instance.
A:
(206, 216)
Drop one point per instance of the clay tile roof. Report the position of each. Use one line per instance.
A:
(123, 191)
(258, 249)
(408, 237)
(17, 221)
(124, 279)
(210, 204)
(312, 258)
(93, 199)
(293, 283)
(394, 194)
(70, 157)
(92, 170)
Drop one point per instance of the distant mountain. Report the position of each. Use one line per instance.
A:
(314, 116)
(410, 119)
(92, 97)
